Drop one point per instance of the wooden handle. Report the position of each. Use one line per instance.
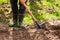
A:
(30, 12)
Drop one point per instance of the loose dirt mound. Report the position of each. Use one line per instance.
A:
(51, 33)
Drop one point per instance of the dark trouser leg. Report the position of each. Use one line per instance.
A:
(21, 13)
(15, 10)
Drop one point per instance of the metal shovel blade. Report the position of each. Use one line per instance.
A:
(40, 26)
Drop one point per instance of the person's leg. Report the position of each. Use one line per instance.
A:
(15, 11)
(21, 13)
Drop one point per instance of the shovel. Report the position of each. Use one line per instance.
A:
(39, 26)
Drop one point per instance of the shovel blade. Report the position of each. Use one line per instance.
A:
(40, 26)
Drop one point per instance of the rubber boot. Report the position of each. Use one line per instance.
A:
(14, 23)
(21, 15)
(21, 25)
(14, 7)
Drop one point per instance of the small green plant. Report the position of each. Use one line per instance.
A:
(4, 1)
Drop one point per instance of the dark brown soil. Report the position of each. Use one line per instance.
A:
(50, 33)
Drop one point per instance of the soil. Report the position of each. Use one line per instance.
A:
(51, 32)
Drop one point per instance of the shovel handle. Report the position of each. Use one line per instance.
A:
(30, 12)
